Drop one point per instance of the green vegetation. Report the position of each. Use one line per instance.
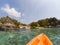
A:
(48, 22)
(7, 19)
(34, 24)
(7, 23)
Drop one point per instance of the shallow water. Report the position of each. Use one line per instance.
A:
(23, 37)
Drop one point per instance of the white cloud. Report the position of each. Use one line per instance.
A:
(11, 11)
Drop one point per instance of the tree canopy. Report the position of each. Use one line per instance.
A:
(53, 22)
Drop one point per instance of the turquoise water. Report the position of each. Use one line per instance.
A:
(23, 37)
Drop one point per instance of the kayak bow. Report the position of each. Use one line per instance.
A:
(41, 39)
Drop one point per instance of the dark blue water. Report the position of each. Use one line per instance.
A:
(23, 37)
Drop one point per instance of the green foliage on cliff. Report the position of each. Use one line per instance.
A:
(52, 22)
(7, 19)
(34, 24)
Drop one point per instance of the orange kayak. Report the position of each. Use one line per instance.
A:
(41, 39)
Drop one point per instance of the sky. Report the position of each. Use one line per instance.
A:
(27, 11)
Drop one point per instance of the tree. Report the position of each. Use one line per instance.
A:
(34, 24)
(43, 23)
(58, 22)
(17, 23)
(53, 21)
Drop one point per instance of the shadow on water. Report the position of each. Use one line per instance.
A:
(23, 37)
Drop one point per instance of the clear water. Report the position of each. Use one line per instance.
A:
(23, 37)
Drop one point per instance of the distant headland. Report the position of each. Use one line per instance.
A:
(8, 23)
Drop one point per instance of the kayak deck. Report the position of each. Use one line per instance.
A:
(41, 39)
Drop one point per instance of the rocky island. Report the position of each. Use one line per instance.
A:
(7, 23)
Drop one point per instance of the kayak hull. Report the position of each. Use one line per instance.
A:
(41, 39)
